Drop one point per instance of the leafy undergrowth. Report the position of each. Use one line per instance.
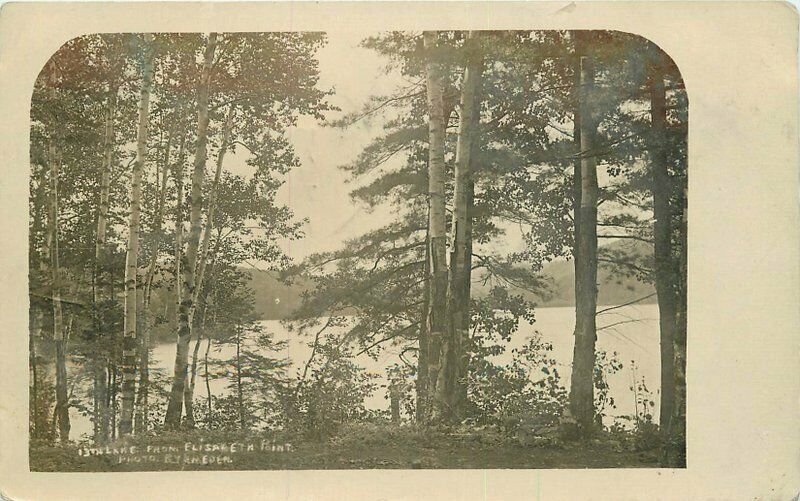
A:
(361, 446)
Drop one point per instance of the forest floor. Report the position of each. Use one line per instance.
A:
(355, 449)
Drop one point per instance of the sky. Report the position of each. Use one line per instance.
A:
(318, 189)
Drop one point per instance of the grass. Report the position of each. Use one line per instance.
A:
(361, 446)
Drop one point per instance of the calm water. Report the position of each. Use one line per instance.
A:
(630, 331)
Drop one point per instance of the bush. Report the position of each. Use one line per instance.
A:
(527, 388)
(333, 395)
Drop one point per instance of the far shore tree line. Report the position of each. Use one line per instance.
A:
(567, 139)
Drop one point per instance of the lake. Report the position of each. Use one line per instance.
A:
(630, 331)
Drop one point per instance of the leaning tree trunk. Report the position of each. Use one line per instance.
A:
(438, 232)
(188, 393)
(582, 383)
(61, 412)
(665, 273)
(175, 405)
(460, 260)
(129, 347)
(212, 204)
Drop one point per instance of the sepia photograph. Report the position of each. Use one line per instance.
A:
(358, 250)
(382, 251)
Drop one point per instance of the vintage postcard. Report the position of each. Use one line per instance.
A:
(400, 250)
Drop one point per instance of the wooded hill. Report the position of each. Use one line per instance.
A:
(277, 300)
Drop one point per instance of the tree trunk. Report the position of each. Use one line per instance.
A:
(158, 222)
(61, 411)
(175, 405)
(395, 394)
(212, 205)
(188, 394)
(101, 416)
(113, 379)
(576, 173)
(142, 398)
(36, 313)
(665, 273)
(62, 400)
(178, 252)
(675, 447)
(35, 319)
(129, 347)
(422, 384)
(438, 232)
(582, 383)
(239, 388)
(460, 260)
(210, 423)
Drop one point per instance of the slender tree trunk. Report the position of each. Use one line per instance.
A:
(438, 232)
(422, 383)
(35, 319)
(239, 388)
(62, 400)
(582, 383)
(61, 412)
(467, 348)
(203, 260)
(142, 398)
(178, 179)
(460, 272)
(113, 369)
(576, 173)
(158, 222)
(129, 347)
(395, 394)
(111, 400)
(113, 374)
(188, 390)
(36, 313)
(179, 233)
(188, 395)
(212, 205)
(665, 272)
(208, 388)
(175, 405)
(98, 275)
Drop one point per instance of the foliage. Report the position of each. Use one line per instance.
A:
(528, 386)
(333, 394)
(604, 366)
